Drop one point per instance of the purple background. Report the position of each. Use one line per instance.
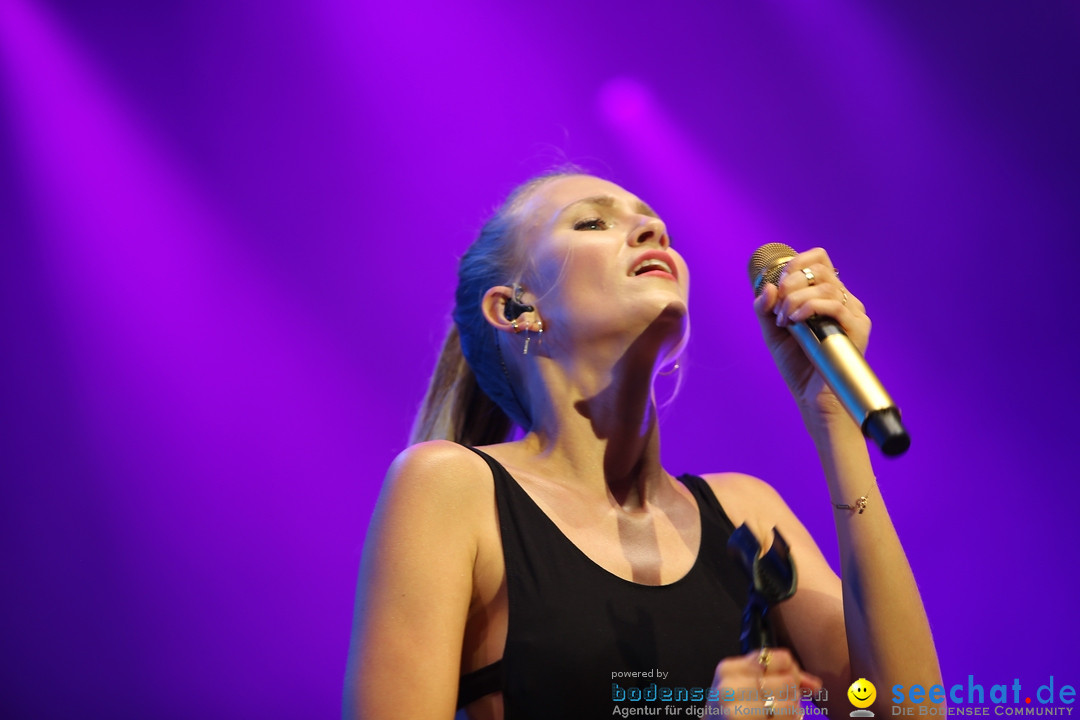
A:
(230, 234)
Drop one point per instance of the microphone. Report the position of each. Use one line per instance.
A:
(838, 360)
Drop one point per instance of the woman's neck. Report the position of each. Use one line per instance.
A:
(596, 423)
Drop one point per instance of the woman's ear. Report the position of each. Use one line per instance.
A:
(507, 310)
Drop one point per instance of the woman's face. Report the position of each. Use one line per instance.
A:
(602, 261)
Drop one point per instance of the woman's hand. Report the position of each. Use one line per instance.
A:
(798, 296)
(768, 678)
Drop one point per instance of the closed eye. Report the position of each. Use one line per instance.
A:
(591, 224)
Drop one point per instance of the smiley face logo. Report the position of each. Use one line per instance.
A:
(862, 693)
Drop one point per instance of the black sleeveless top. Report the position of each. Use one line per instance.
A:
(583, 643)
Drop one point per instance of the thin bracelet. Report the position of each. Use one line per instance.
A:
(860, 504)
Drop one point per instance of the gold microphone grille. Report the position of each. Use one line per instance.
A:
(767, 262)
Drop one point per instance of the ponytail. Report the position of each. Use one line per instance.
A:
(454, 407)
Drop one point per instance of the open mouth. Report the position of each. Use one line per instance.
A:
(652, 265)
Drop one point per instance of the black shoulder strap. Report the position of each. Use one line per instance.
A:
(488, 679)
(704, 494)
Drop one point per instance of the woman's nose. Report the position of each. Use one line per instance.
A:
(651, 230)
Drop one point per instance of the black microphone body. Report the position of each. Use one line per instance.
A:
(838, 360)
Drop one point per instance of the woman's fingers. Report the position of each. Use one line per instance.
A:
(764, 676)
(808, 286)
(766, 301)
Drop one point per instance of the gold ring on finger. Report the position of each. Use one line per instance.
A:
(763, 659)
(843, 297)
(809, 276)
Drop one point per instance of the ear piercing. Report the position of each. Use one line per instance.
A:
(539, 335)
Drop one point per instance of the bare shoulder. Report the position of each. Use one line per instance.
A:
(435, 487)
(438, 459)
(440, 469)
(748, 499)
(432, 512)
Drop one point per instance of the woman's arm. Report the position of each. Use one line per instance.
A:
(871, 625)
(889, 639)
(887, 634)
(415, 587)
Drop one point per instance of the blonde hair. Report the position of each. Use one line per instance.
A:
(471, 398)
